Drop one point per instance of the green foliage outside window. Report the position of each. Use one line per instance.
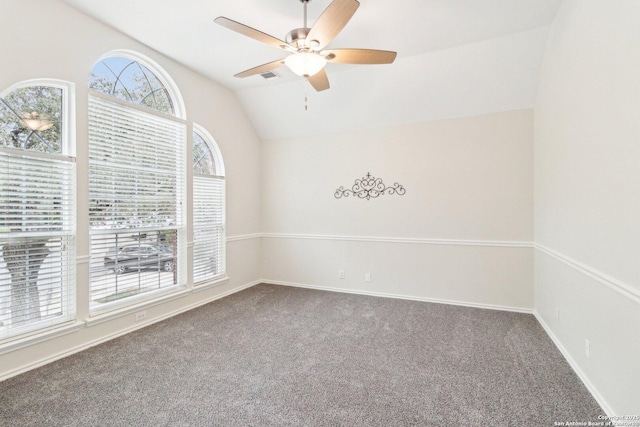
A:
(130, 81)
(34, 102)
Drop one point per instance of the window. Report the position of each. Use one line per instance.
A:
(129, 80)
(136, 183)
(37, 207)
(208, 208)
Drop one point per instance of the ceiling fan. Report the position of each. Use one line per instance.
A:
(307, 45)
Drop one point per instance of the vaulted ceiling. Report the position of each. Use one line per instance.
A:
(455, 57)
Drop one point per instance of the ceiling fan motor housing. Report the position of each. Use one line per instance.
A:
(298, 38)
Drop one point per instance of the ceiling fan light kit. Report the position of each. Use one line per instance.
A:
(306, 45)
(305, 64)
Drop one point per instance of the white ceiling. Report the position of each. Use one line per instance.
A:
(436, 40)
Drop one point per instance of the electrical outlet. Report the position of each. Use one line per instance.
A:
(587, 348)
(141, 315)
(367, 277)
(340, 274)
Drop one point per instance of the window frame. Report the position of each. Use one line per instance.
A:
(220, 175)
(179, 117)
(67, 154)
(68, 145)
(180, 111)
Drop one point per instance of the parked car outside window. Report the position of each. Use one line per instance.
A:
(139, 256)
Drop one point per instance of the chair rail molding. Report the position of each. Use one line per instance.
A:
(244, 237)
(412, 240)
(616, 285)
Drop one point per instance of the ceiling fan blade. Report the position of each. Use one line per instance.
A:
(319, 81)
(253, 33)
(359, 56)
(261, 68)
(332, 21)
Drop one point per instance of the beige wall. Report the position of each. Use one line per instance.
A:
(462, 232)
(587, 195)
(58, 42)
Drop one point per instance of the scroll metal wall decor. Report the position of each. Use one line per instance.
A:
(369, 187)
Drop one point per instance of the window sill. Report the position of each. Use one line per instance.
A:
(42, 336)
(105, 316)
(75, 325)
(208, 284)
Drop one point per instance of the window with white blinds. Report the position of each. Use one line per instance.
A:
(209, 239)
(136, 210)
(208, 228)
(37, 210)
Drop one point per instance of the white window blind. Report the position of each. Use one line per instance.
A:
(208, 227)
(37, 226)
(136, 186)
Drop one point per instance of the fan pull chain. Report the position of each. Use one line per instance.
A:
(306, 92)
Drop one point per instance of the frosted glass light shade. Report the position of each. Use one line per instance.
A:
(305, 64)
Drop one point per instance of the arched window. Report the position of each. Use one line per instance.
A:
(136, 182)
(208, 208)
(37, 206)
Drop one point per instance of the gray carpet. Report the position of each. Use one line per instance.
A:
(279, 356)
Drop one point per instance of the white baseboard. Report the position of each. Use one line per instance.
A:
(576, 368)
(93, 343)
(405, 297)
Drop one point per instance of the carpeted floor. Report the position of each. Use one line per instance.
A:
(280, 356)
